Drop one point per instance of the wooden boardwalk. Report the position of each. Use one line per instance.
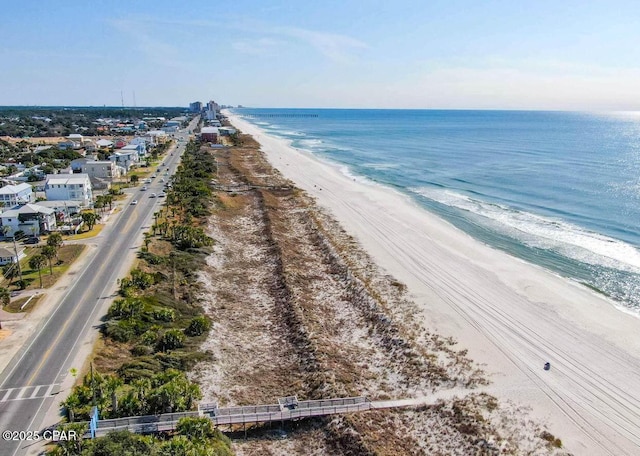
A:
(245, 188)
(287, 409)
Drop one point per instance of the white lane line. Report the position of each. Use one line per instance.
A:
(6, 395)
(35, 391)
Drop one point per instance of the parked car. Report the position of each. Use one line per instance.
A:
(161, 194)
(32, 240)
(134, 202)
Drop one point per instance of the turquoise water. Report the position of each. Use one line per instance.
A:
(558, 189)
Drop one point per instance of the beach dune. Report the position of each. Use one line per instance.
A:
(513, 317)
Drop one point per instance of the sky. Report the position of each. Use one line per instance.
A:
(431, 54)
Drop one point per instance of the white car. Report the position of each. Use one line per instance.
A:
(144, 188)
(161, 194)
(134, 202)
(153, 195)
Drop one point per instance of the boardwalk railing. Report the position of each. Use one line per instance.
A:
(245, 187)
(288, 409)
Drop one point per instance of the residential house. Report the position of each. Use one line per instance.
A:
(11, 195)
(68, 145)
(125, 159)
(140, 148)
(8, 254)
(75, 187)
(158, 137)
(104, 144)
(31, 219)
(63, 209)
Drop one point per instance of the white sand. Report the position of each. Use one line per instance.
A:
(511, 315)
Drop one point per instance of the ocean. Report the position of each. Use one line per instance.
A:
(557, 189)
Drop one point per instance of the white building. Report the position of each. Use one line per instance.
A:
(76, 187)
(62, 209)
(11, 195)
(125, 159)
(31, 219)
(8, 255)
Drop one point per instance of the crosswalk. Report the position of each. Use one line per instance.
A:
(28, 392)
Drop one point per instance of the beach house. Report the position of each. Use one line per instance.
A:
(31, 219)
(8, 255)
(76, 187)
(11, 195)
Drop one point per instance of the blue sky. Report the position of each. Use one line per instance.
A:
(361, 54)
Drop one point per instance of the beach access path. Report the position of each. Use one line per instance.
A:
(511, 316)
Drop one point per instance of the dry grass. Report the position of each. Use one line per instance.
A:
(15, 305)
(299, 308)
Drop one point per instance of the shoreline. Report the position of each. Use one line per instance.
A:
(511, 316)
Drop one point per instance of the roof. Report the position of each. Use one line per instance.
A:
(60, 203)
(130, 147)
(63, 179)
(209, 130)
(4, 253)
(26, 209)
(11, 189)
(99, 162)
(74, 136)
(104, 142)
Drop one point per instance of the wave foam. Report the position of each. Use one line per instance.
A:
(542, 232)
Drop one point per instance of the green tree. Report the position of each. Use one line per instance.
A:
(113, 383)
(49, 252)
(108, 199)
(5, 296)
(55, 239)
(37, 262)
(134, 179)
(90, 218)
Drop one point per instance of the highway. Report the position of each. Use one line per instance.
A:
(30, 382)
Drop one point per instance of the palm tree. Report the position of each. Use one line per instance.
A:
(108, 199)
(36, 262)
(49, 252)
(90, 219)
(113, 383)
(55, 239)
(71, 404)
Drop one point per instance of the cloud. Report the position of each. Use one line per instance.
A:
(157, 51)
(258, 37)
(336, 47)
(259, 46)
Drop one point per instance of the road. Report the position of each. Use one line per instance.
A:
(30, 382)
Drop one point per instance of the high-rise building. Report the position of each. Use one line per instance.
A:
(196, 106)
(212, 110)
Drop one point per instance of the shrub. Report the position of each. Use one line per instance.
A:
(171, 340)
(164, 314)
(198, 326)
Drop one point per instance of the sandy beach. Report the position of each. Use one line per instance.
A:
(511, 316)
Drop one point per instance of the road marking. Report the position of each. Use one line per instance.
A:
(4, 398)
(35, 391)
(25, 393)
(61, 332)
(49, 389)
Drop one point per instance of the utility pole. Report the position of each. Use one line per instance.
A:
(93, 388)
(15, 249)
